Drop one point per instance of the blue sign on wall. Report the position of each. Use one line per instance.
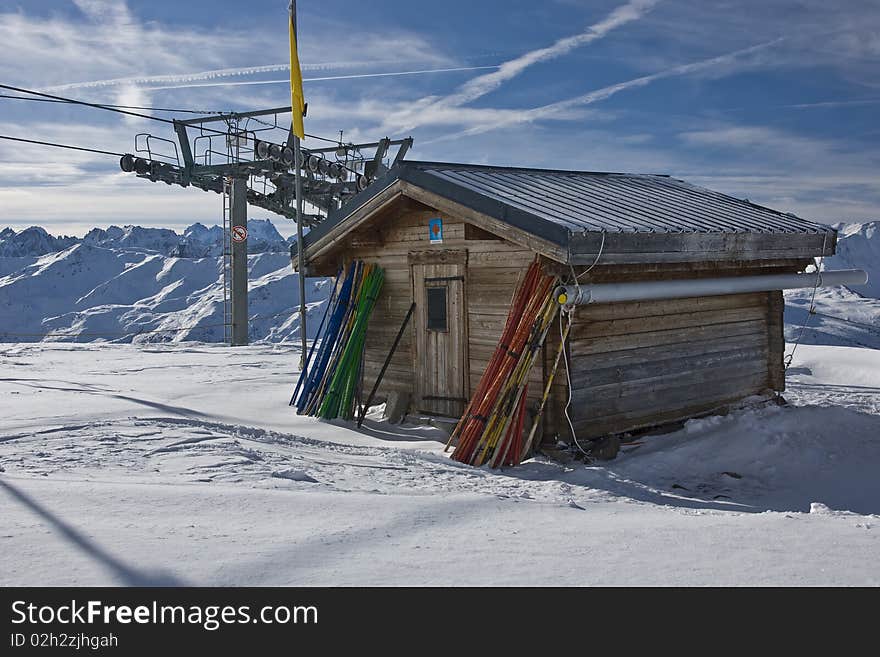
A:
(435, 230)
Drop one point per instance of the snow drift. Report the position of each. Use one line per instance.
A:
(186, 460)
(148, 450)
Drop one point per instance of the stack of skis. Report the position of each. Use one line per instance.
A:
(491, 429)
(329, 386)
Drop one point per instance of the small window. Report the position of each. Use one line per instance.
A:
(436, 308)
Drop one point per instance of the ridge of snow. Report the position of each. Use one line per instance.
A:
(196, 241)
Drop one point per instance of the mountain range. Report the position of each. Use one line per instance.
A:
(136, 284)
(197, 241)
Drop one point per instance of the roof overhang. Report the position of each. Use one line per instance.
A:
(324, 239)
(556, 241)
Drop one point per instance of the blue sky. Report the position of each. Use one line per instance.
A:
(776, 101)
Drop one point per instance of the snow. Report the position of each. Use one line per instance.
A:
(180, 462)
(843, 316)
(858, 247)
(88, 292)
(203, 241)
(196, 241)
(183, 463)
(33, 241)
(159, 240)
(136, 284)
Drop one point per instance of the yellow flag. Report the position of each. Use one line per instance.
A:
(297, 99)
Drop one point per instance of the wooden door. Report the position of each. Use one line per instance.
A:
(441, 337)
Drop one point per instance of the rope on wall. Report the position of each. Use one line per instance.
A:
(563, 337)
(817, 262)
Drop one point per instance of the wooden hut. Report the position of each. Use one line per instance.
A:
(456, 239)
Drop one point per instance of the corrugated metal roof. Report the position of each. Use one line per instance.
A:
(643, 216)
(615, 202)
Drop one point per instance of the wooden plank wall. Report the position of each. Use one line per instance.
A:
(494, 268)
(641, 364)
(633, 365)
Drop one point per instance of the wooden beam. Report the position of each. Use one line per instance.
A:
(444, 257)
(776, 340)
(332, 239)
(600, 426)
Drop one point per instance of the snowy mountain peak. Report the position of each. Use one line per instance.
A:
(33, 241)
(263, 236)
(197, 241)
(159, 240)
(858, 247)
(201, 233)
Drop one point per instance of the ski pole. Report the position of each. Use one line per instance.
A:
(363, 412)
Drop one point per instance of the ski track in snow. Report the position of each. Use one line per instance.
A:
(181, 463)
(172, 450)
(179, 445)
(185, 464)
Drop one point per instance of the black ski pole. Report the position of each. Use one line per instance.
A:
(409, 313)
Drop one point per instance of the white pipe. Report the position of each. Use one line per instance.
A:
(678, 289)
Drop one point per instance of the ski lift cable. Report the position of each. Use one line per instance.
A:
(56, 145)
(132, 107)
(121, 109)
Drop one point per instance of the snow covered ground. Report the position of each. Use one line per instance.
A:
(182, 463)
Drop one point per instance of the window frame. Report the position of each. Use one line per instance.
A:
(428, 326)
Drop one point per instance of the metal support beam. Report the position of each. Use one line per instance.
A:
(183, 140)
(681, 289)
(372, 144)
(238, 217)
(403, 150)
(373, 167)
(234, 115)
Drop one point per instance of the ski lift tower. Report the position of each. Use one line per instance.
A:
(248, 158)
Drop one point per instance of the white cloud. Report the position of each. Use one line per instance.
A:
(351, 76)
(179, 78)
(425, 110)
(110, 199)
(484, 84)
(113, 50)
(112, 12)
(837, 162)
(821, 179)
(719, 65)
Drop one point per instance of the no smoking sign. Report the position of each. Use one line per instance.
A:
(239, 234)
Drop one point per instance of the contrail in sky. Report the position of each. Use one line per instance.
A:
(552, 109)
(329, 77)
(484, 84)
(419, 112)
(180, 80)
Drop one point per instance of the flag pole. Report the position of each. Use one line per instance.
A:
(302, 252)
(296, 130)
